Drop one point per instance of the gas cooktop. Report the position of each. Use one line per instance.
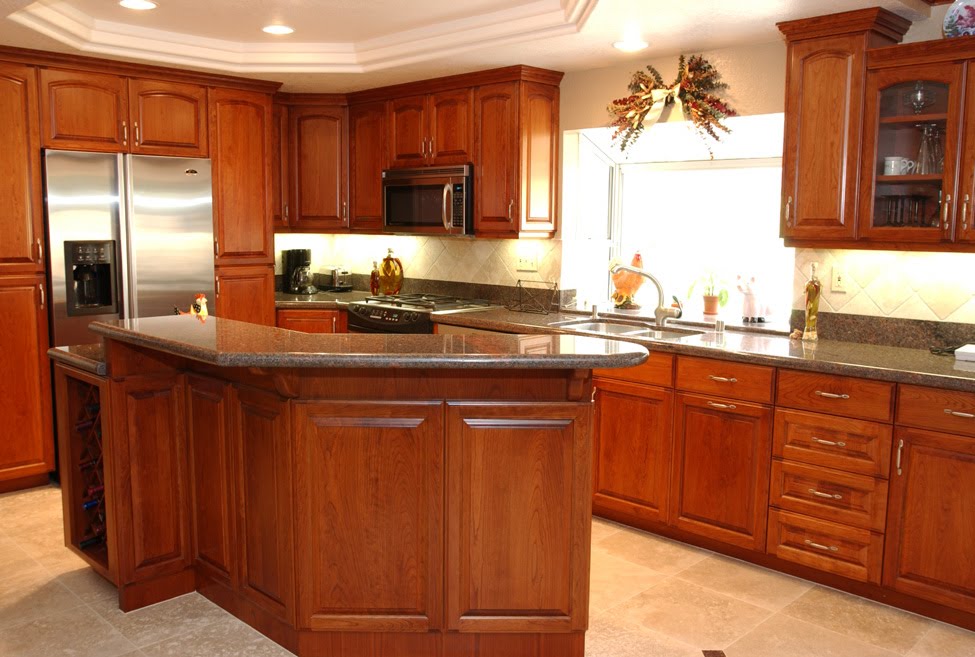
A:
(427, 302)
(405, 313)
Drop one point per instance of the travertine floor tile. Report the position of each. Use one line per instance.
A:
(859, 618)
(228, 638)
(602, 529)
(165, 620)
(32, 594)
(609, 636)
(613, 580)
(14, 561)
(785, 636)
(697, 616)
(944, 640)
(753, 584)
(78, 632)
(651, 551)
(88, 585)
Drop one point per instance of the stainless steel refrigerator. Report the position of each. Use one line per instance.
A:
(128, 236)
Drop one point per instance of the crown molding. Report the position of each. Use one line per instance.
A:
(532, 20)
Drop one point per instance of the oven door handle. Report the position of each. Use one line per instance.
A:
(446, 193)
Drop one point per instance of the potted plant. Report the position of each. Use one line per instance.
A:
(715, 294)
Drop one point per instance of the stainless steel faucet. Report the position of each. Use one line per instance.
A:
(662, 313)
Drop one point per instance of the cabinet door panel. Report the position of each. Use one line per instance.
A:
(318, 138)
(966, 179)
(451, 127)
(22, 221)
(407, 132)
(84, 111)
(496, 157)
(367, 159)
(930, 531)
(245, 294)
(633, 445)
(370, 515)
(520, 563)
(313, 321)
(539, 157)
(721, 469)
(280, 165)
(168, 118)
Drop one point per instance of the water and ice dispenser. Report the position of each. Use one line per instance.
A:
(91, 276)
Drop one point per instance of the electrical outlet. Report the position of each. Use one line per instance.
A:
(838, 283)
(527, 263)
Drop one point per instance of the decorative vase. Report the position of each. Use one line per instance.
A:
(391, 274)
(711, 304)
(960, 19)
(814, 290)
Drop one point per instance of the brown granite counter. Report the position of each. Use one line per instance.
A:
(86, 357)
(228, 343)
(320, 301)
(897, 364)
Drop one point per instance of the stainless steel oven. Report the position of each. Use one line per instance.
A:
(428, 201)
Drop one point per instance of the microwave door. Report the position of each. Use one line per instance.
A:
(415, 206)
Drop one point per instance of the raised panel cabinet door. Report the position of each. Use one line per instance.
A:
(451, 127)
(84, 111)
(264, 464)
(313, 321)
(369, 492)
(722, 451)
(367, 159)
(496, 159)
(318, 138)
(930, 531)
(168, 118)
(539, 157)
(208, 420)
(279, 165)
(408, 137)
(245, 294)
(966, 179)
(149, 455)
(240, 149)
(22, 220)
(519, 499)
(820, 159)
(25, 387)
(633, 445)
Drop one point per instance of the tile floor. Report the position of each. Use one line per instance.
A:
(650, 598)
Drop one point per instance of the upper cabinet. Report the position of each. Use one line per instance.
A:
(279, 166)
(431, 129)
(367, 159)
(101, 112)
(319, 168)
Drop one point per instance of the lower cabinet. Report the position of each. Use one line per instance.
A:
(313, 321)
(722, 450)
(245, 294)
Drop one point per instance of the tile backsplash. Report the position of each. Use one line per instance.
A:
(456, 259)
(923, 286)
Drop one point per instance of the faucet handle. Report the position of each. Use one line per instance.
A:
(680, 307)
(595, 311)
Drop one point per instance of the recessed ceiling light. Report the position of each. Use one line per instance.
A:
(278, 29)
(632, 41)
(138, 4)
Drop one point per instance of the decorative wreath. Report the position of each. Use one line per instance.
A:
(694, 91)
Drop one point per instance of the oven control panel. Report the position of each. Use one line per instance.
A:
(373, 316)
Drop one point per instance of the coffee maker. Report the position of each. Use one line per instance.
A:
(297, 271)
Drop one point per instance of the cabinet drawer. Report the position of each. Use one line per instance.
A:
(313, 321)
(830, 495)
(834, 442)
(725, 379)
(942, 410)
(840, 395)
(827, 546)
(657, 370)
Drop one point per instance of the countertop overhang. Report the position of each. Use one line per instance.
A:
(228, 343)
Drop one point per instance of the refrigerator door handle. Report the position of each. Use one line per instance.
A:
(127, 309)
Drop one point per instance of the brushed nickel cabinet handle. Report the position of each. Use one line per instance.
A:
(722, 379)
(717, 405)
(217, 281)
(40, 251)
(964, 213)
(40, 287)
(511, 205)
(335, 322)
(285, 211)
(788, 212)
(831, 395)
(900, 452)
(947, 209)
(216, 247)
(345, 209)
(138, 139)
(820, 546)
(967, 416)
(830, 443)
(829, 496)
(593, 398)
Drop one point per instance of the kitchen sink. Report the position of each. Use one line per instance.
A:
(624, 329)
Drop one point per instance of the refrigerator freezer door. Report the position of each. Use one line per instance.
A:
(169, 235)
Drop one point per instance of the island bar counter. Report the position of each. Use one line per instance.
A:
(349, 495)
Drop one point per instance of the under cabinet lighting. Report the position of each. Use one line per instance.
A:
(278, 29)
(632, 41)
(138, 4)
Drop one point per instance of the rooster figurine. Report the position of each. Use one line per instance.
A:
(198, 309)
(627, 283)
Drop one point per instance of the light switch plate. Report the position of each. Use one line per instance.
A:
(527, 263)
(838, 283)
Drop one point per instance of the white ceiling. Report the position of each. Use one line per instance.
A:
(346, 45)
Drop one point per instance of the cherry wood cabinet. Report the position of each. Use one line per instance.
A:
(431, 129)
(319, 167)
(22, 221)
(930, 532)
(27, 450)
(313, 321)
(168, 118)
(240, 147)
(280, 167)
(367, 159)
(84, 111)
(966, 179)
(721, 469)
(633, 445)
(245, 294)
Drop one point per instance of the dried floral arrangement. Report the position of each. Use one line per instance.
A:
(695, 91)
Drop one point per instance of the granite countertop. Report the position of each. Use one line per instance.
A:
(322, 300)
(897, 364)
(86, 357)
(228, 343)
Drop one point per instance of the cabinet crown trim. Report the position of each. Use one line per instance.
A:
(874, 19)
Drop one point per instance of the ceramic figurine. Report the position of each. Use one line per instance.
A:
(391, 274)
(960, 19)
(814, 291)
(627, 284)
(198, 309)
(753, 308)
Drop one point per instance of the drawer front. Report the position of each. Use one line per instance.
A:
(657, 370)
(826, 546)
(725, 378)
(839, 395)
(840, 443)
(829, 495)
(941, 410)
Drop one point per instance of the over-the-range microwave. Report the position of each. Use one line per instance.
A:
(428, 201)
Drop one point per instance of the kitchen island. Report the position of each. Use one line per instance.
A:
(344, 494)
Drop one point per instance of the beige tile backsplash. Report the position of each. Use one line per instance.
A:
(929, 286)
(457, 259)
